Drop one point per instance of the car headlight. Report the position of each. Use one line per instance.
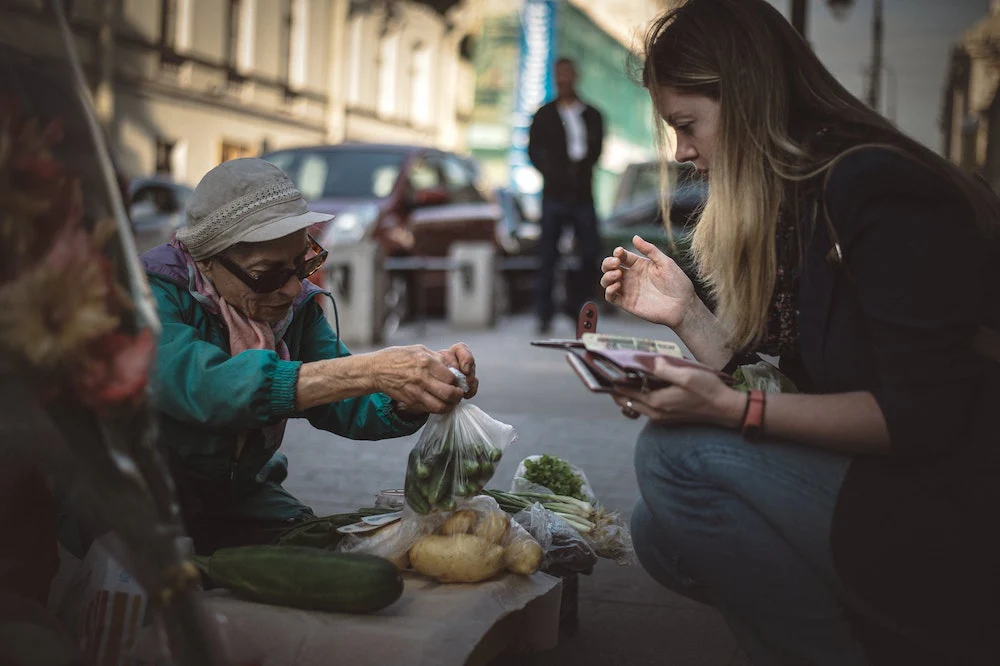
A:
(351, 226)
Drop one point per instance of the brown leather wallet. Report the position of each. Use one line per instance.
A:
(609, 370)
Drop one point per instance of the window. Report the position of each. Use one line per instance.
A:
(357, 52)
(347, 174)
(421, 85)
(162, 197)
(168, 24)
(424, 174)
(165, 156)
(175, 31)
(294, 36)
(388, 65)
(312, 175)
(240, 35)
(460, 179)
(231, 150)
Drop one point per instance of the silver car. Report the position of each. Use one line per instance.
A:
(158, 208)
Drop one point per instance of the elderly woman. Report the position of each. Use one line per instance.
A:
(245, 346)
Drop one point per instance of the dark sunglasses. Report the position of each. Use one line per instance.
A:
(275, 279)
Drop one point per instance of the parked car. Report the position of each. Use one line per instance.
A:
(636, 207)
(414, 201)
(157, 206)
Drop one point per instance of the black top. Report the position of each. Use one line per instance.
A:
(913, 534)
(547, 148)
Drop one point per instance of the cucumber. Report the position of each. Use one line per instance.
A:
(414, 497)
(307, 578)
(470, 466)
(441, 481)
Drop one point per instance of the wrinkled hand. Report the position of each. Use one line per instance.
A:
(418, 379)
(459, 356)
(695, 396)
(648, 284)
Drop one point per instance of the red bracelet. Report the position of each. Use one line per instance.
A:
(753, 415)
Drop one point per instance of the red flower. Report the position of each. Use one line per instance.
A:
(116, 370)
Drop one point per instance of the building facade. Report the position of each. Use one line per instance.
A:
(970, 119)
(182, 85)
(602, 44)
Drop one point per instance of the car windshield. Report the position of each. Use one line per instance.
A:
(647, 180)
(344, 174)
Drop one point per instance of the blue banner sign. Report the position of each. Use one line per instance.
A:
(535, 86)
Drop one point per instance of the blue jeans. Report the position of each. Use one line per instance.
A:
(580, 286)
(746, 528)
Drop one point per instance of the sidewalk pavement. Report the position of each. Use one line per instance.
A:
(625, 617)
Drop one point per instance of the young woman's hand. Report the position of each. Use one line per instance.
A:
(695, 396)
(648, 284)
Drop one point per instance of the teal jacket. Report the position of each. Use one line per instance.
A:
(206, 397)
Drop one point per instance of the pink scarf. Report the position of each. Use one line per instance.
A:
(244, 333)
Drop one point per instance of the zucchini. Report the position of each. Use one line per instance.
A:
(307, 578)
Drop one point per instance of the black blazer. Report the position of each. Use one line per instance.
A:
(564, 179)
(915, 533)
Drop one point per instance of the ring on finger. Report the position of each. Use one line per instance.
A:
(628, 409)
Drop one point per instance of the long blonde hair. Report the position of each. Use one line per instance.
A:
(773, 94)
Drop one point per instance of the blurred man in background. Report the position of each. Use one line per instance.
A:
(564, 145)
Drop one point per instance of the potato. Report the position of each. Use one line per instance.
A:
(492, 526)
(523, 556)
(460, 558)
(460, 522)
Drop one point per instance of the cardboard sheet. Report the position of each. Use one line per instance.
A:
(431, 624)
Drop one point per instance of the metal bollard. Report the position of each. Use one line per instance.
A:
(356, 277)
(471, 288)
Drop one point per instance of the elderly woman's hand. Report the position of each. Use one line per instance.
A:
(460, 356)
(418, 379)
(695, 396)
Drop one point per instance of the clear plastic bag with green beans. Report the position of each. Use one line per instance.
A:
(455, 457)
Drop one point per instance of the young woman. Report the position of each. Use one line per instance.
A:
(852, 522)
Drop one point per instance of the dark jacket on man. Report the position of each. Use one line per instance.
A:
(547, 148)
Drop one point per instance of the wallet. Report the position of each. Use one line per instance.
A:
(608, 363)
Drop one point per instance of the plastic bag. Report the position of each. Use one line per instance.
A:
(520, 484)
(103, 606)
(564, 550)
(610, 538)
(478, 516)
(455, 457)
(765, 377)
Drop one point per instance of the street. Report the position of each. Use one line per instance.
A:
(625, 617)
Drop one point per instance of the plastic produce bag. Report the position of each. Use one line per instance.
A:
(522, 485)
(610, 538)
(564, 549)
(455, 457)
(103, 605)
(472, 543)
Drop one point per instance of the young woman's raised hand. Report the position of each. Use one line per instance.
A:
(648, 284)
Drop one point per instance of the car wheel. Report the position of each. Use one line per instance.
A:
(397, 304)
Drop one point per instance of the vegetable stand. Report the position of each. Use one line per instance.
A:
(432, 623)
